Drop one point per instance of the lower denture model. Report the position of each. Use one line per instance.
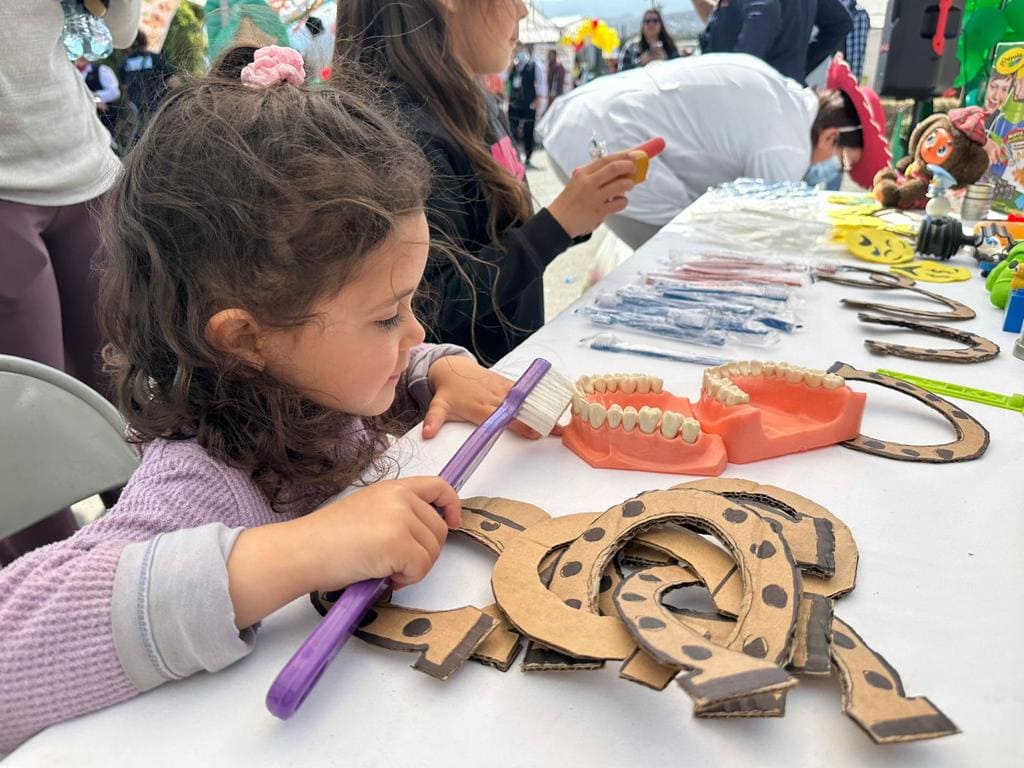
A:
(747, 412)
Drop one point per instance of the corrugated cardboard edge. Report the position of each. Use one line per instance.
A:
(844, 556)
(978, 349)
(873, 696)
(500, 648)
(813, 639)
(714, 674)
(444, 639)
(808, 533)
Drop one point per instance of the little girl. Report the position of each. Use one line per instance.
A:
(265, 244)
(427, 54)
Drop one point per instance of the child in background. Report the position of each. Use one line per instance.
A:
(428, 53)
(266, 241)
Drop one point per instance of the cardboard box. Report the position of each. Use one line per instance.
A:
(1004, 94)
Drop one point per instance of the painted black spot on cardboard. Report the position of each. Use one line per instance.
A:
(775, 596)
(416, 627)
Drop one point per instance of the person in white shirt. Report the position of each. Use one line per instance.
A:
(101, 80)
(723, 117)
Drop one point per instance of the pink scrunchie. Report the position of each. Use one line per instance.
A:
(272, 65)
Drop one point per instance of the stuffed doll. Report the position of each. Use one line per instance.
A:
(955, 141)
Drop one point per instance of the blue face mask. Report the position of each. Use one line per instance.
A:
(828, 174)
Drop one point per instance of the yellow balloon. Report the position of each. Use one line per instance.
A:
(932, 272)
(878, 246)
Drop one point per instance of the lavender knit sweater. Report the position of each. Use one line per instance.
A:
(140, 596)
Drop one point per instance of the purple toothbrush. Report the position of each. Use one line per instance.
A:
(537, 399)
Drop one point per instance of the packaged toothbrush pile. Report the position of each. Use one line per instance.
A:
(710, 300)
(751, 215)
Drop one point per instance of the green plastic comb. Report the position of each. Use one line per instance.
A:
(1014, 402)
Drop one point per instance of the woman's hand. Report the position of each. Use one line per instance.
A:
(598, 190)
(466, 391)
(389, 530)
(594, 192)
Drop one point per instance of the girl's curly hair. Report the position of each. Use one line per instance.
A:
(264, 199)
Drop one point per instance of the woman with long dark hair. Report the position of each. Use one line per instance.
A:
(485, 277)
(654, 43)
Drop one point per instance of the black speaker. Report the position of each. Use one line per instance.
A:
(918, 52)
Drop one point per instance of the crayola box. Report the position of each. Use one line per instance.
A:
(1004, 98)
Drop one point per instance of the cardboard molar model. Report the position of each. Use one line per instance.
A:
(746, 412)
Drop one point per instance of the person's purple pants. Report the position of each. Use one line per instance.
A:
(48, 312)
(48, 289)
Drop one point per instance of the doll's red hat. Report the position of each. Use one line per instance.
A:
(875, 155)
(971, 121)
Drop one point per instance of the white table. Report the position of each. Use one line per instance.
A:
(939, 594)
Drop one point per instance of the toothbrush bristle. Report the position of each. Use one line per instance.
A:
(546, 403)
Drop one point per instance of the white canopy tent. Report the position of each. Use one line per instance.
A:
(537, 28)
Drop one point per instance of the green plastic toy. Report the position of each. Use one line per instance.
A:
(1014, 402)
(998, 281)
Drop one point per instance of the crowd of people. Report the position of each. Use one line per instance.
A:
(269, 247)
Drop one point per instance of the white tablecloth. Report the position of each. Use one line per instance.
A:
(939, 594)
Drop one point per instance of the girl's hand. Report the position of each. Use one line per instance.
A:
(466, 391)
(598, 190)
(390, 529)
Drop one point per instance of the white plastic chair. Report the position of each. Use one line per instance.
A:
(60, 442)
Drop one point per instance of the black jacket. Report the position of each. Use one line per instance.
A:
(506, 274)
(779, 32)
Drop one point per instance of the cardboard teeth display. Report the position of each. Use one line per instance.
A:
(747, 412)
(972, 438)
(716, 674)
(978, 348)
(831, 571)
(957, 310)
(770, 621)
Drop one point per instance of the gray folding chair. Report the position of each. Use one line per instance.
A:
(60, 442)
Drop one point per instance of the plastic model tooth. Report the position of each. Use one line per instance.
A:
(580, 407)
(795, 375)
(643, 384)
(756, 368)
(813, 379)
(627, 385)
(587, 384)
(656, 385)
(600, 384)
(670, 424)
(629, 418)
(614, 416)
(690, 430)
(612, 382)
(648, 418)
(832, 381)
(597, 415)
(736, 397)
